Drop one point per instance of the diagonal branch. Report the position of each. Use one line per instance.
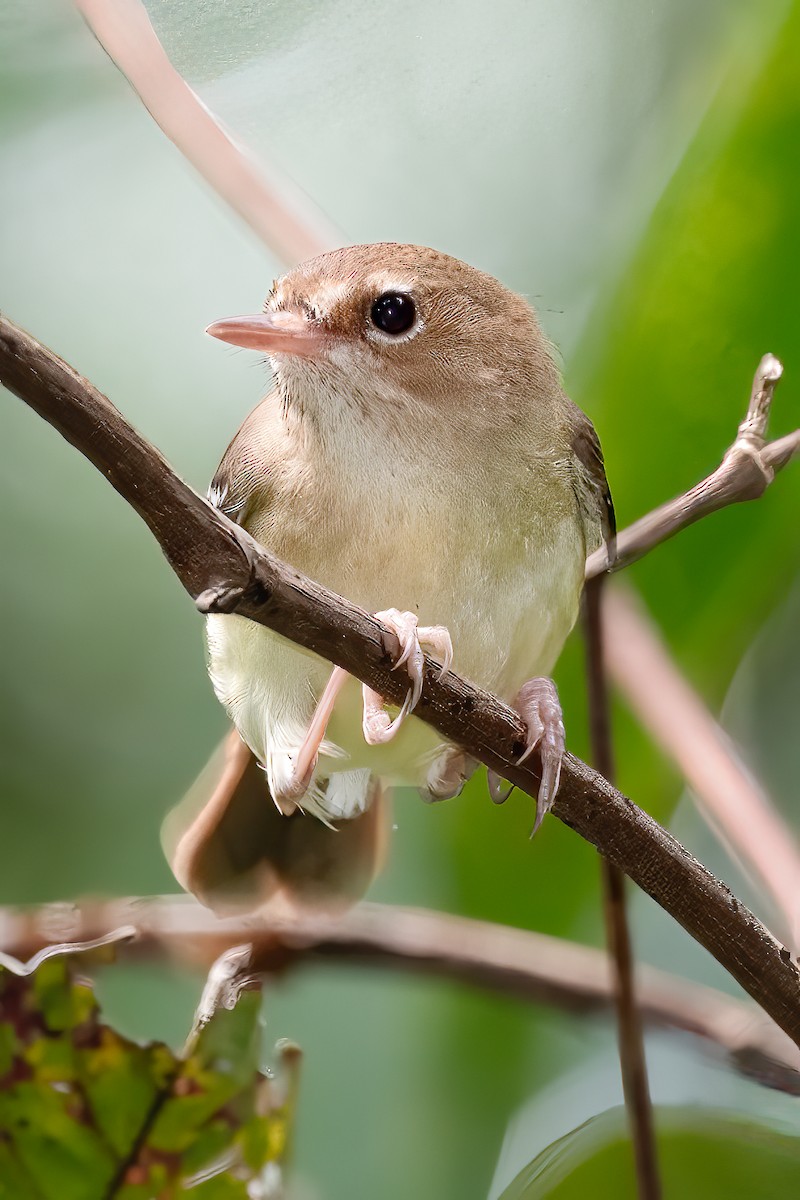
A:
(293, 231)
(731, 800)
(225, 570)
(512, 962)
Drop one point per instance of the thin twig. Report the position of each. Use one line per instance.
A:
(293, 230)
(662, 698)
(630, 1031)
(533, 967)
(726, 793)
(745, 473)
(225, 570)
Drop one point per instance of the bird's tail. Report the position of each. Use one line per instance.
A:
(228, 844)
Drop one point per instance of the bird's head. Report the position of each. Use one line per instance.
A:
(397, 324)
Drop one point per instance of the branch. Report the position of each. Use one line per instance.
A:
(630, 1031)
(498, 958)
(727, 795)
(293, 231)
(665, 702)
(745, 473)
(226, 570)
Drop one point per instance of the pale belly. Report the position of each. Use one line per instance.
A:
(508, 605)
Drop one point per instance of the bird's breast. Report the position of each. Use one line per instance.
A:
(502, 575)
(494, 562)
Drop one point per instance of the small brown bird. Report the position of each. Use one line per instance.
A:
(418, 456)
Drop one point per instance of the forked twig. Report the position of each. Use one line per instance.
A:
(745, 473)
(662, 698)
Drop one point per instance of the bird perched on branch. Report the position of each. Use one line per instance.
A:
(418, 456)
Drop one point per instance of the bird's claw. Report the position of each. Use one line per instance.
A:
(221, 598)
(540, 708)
(448, 772)
(377, 725)
(499, 789)
(538, 704)
(294, 784)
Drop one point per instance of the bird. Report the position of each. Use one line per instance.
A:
(419, 456)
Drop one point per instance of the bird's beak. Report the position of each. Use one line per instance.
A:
(271, 333)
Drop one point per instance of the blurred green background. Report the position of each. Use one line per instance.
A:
(634, 170)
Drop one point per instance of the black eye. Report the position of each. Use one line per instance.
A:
(393, 313)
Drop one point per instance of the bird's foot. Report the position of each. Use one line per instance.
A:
(306, 760)
(290, 781)
(538, 704)
(378, 726)
(449, 771)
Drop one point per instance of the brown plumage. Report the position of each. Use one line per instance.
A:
(418, 454)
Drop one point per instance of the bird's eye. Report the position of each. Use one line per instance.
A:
(393, 313)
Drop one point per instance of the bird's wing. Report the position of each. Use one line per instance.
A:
(590, 484)
(226, 841)
(228, 844)
(242, 480)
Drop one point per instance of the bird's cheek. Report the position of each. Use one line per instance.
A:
(351, 357)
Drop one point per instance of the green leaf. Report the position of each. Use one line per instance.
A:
(87, 1114)
(55, 1141)
(703, 1155)
(221, 1187)
(668, 362)
(61, 1006)
(121, 1082)
(15, 1182)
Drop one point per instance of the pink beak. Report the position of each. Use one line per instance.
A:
(271, 333)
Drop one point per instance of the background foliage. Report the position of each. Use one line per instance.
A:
(633, 169)
(87, 1114)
